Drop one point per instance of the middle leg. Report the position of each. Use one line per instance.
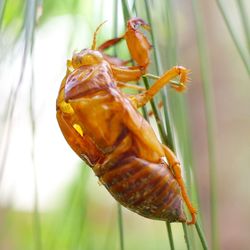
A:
(141, 99)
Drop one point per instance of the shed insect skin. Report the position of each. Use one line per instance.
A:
(103, 126)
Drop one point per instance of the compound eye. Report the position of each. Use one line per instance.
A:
(77, 60)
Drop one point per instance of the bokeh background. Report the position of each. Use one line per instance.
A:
(48, 198)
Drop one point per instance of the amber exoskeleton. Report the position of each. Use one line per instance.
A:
(103, 126)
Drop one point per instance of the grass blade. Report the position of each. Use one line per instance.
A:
(2, 10)
(120, 225)
(184, 226)
(181, 121)
(170, 137)
(201, 236)
(170, 236)
(119, 207)
(29, 24)
(245, 58)
(32, 9)
(125, 9)
(245, 22)
(37, 223)
(166, 139)
(127, 15)
(209, 112)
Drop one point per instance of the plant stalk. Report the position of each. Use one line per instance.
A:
(245, 58)
(210, 121)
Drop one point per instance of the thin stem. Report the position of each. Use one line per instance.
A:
(245, 22)
(166, 139)
(2, 10)
(119, 207)
(171, 33)
(184, 226)
(245, 58)
(210, 120)
(125, 9)
(169, 139)
(120, 225)
(170, 236)
(182, 121)
(155, 52)
(29, 25)
(37, 221)
(201, 236)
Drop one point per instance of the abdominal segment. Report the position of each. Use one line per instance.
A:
(146, 188)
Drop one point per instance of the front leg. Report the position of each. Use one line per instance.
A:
(138, 44)
(112, 59)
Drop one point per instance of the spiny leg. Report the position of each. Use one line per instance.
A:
(141, 99)
(175, 167)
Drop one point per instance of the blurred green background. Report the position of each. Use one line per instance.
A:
(48, 198)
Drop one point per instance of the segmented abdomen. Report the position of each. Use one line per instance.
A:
(148, 189)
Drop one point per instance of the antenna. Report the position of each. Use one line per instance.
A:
(95, 34)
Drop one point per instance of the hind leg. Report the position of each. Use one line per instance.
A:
(175, 167)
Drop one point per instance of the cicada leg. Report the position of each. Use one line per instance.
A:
(175, 167)
(111, 59)
(130, 86)
(127, 73)
(141, 99)
(138, 44)
(109, 43)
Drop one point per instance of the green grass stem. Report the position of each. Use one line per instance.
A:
(36, 215)
(126, 11)
(182, 122)
(29, 25)
(170, 137)
(119, 207)
(201, 236)
(184, 226)
(210, 119)
(170, 236)
(37, 222)
(28, 29)
(2, 10)
(120, 226)
(166, 139)
(245, 58)
(127, 15)
(245, 22)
